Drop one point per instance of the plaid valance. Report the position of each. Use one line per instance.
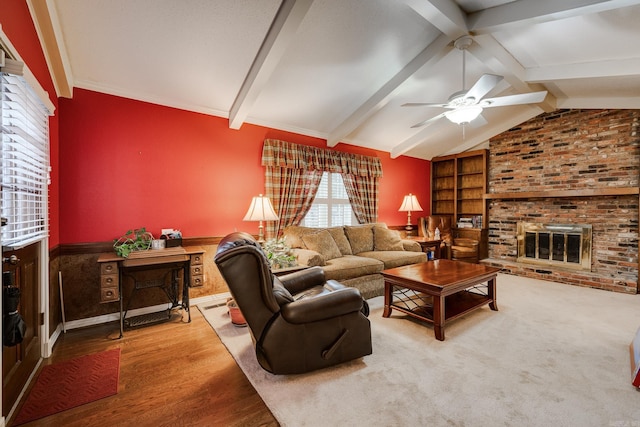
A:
(283, 154)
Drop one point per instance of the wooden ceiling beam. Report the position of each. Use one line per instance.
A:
(280, 35)
(432, 54)
(523, 12)
(47, 26)
(614, 68)
(445, 15)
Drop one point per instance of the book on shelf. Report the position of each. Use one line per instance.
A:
(472, 222)
(465, 223)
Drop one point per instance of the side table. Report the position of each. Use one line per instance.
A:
(427, 244)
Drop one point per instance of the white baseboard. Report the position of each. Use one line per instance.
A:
(114, 317)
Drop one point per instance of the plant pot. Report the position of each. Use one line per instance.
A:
(236, 315)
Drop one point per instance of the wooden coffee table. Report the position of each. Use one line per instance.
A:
(439, 291)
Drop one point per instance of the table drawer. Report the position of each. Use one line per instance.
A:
(197, 259)
(109, 281)
(109, 268)
(197, 270)
(109, 294)
(197, 281)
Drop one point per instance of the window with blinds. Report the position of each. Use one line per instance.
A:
(331, 206)
(24, 124)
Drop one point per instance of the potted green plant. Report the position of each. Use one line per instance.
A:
(279, 254)
(133, 240)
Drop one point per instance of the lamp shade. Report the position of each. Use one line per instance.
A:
(410, 204)
(464, 114)
(260, 210)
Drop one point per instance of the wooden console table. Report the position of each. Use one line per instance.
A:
(113, 268)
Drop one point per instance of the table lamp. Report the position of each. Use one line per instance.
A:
(409, 204)
(260, 210)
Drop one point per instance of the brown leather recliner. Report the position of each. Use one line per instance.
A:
(455, 248)
(299, 322)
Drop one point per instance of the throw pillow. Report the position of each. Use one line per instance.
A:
(309, 258)
(293, 235)
(360, 238)
(323, 243)
(341, 240)
(387, 240)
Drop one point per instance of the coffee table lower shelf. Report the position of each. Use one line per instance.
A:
(456, 305)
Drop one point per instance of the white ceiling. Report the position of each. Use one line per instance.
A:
(340, 69)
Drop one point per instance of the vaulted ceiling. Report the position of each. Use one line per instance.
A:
(341, 69)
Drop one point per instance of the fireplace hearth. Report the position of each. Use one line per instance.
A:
(561, 245)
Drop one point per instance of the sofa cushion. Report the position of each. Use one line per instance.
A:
(341, 240)
(293, 235)
(360, 238)
(386, 240)
(350, 266)
(323, 243)
(393, 259)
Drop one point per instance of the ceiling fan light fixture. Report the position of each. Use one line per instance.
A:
(464, 114)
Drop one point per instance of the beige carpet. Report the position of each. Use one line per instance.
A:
(554, 355)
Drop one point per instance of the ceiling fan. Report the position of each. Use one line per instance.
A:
(466, 105)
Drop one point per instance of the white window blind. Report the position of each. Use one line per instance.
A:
(331, 206)
(24, 124)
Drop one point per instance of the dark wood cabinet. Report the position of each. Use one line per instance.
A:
(458, 183)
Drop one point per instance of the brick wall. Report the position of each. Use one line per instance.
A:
(570, 150)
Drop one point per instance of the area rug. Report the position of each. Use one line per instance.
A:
(72, 383)
(553, 354)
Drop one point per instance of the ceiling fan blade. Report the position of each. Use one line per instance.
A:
(428, 121)
(524, 98)
(478, 122)
(422, 104)
(484, 84)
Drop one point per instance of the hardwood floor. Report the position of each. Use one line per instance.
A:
(171, 374)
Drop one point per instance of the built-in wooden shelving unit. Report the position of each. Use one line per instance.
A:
(458, 189)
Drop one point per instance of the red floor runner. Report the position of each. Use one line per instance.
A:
(72, 383)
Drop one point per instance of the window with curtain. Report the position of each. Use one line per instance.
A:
(331, 206)
(293, 174)
(24, 125)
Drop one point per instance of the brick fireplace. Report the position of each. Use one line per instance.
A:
(563, 168)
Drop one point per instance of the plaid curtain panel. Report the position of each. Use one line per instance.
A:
(293, 173)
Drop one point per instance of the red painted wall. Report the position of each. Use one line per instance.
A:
(17, 25)
(127, 164)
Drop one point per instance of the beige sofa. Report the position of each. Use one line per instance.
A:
(353, 255)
